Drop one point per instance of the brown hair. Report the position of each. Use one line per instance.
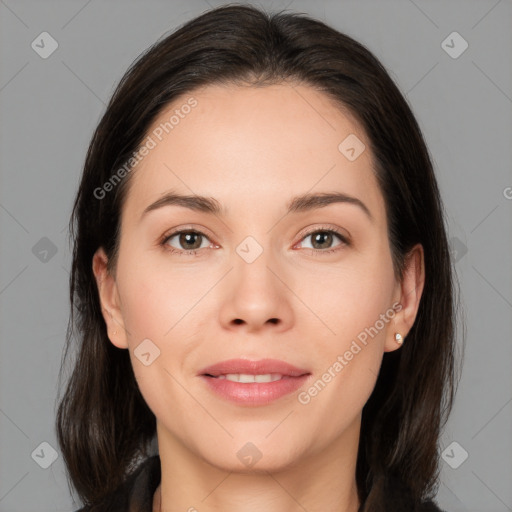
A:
(103, 424)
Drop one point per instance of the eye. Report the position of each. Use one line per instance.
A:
(191, 240)
(322, 240)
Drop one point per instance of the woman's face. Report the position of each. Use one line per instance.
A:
(264, 282)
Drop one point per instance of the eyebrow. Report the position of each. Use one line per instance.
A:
(302, 203)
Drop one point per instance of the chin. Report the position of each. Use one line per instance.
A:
(254, 457)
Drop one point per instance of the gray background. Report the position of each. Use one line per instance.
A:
(49, 108)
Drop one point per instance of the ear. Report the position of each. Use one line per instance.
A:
(408, 294)
(109, 300)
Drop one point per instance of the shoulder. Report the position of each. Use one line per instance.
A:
(398, 497)
(136, 493)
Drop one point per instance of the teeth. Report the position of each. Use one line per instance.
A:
(246, 378)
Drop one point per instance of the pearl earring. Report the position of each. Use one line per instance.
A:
(398, 338)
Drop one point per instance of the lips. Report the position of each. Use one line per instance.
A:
(253, 383)
(261, 367)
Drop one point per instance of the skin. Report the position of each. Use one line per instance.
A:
(253, 149)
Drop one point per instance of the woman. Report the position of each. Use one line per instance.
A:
(262, 281)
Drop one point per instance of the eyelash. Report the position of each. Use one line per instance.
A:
(315, 252)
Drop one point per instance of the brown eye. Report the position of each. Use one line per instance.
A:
(190, 240)
(187, 240)
(323, 239)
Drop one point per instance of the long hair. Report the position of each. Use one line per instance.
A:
(103, 424)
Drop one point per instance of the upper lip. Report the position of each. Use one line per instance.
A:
(260, 367)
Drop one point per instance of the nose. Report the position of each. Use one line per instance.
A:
(257, 296)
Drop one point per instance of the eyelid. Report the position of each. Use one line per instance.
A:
(342, 233)
(344, 238)
(187, 228)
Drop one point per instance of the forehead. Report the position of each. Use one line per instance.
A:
(246, 145)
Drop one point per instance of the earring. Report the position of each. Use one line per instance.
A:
(398, 338)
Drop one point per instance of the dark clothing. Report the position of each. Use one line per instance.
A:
(136, 494)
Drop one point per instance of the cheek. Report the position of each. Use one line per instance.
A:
(346, 300)
(155, 298)
(354, 306)
(158, 305)
(348, 361)
(161, 303)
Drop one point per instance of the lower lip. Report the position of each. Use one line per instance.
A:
(254, 393)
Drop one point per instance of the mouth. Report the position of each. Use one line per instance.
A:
(245, 370)
(247, 378)
(252, 383)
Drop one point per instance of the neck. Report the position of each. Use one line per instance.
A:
(323, 480)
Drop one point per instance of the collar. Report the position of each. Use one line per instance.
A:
(145, 480)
